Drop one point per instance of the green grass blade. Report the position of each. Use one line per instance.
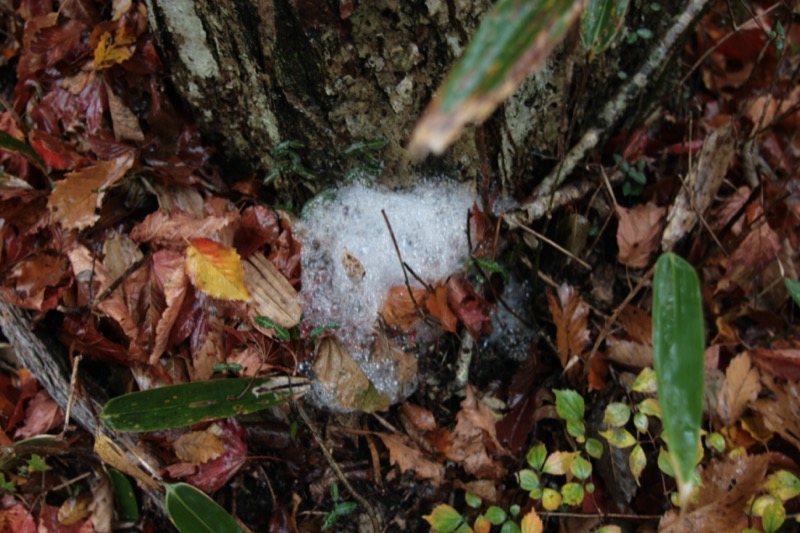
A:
(189, 403)
(193, 512)
(793, 286)
(600, 24)
(513, 40)
(124, 498)
(678, 342)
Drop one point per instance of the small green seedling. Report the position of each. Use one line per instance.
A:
(340, 508)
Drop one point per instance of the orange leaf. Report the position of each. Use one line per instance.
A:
(399, 310)
(74, 199)
(438, 308)
(216, 270)
(114, 49)
(531, 523)
(570, 315)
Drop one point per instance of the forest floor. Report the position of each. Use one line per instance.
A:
(531, 365)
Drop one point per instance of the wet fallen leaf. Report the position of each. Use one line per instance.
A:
(420, 417)
(341, 376)
(781, 363)
(176, 227)
(436, 304)
(399, 310)
(198, 447)
(123, 119)
(114, 47)
(638, 233)
(758, 248)
(75, 509)
(216, 270)
(474, 423)
(214, 474)
(102, 506)
(75, 199)
(629, 353)
(28, 281)
(741, 386)
(570, 315)
(41, 415)
(782, 414)
(169, 273)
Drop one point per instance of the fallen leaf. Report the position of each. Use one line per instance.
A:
(741, 387)
(436, 304)
(75, 199)
(198, 447)
(475, 422)
(41, 415)
(215, 474)
(728, 483)
(114, 47)
(399, 310)
(215, 270)
(570, 315)
(471, 309)
(273, 295)
(169, 273)
(638, 232)
(176, 227)
(102, 506)
(758, 248)
(112, 454)
(403, 454)
(17, 519)
(28, 281)
(629, 353)
(781, 363)
(124, 121)
(781, 414)
(638, 324)
(420, 418)
(701, 185)
(258, 226)
(74, 509)
(340, 375)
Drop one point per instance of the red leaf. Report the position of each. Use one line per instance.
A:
(28, 280)
(17, 519)
(53, 152)
(214, 474)
(471, 309)
(258, 226)
(41, 415)
(781, 363)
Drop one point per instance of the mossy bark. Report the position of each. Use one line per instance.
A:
(332, 72)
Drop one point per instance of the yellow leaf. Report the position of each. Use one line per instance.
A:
(198, 447)
(531, 523)
(114, 48)
(216, 270)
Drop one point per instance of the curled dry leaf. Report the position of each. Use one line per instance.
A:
(75, 509)
(570, 315)
(420, 418)
(198, 447)
(343, 378)
(175, 228)
(113, 455)
(169, 272)
(638, 232)
(399, 310)
(781, 415)
(41, 415)
(273, 295)
(701, 185)
(474, 424)
(74, 199)
(782, 363)
(741, 386)
(759, 247)
(216, 270)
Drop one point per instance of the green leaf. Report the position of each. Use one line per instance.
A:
(551, 499)
(559, 463)
(640, 422)
(509, 527)
(572, 493)
(617, 414)
(773, 517)
(637, 461)
(472, 500)
(319, 330)
(124, 498)
(793, 286)
(193, 512)
(444, 518)
(581, 468)
(650, 407)
(783, 485)
(678, 341)
(716, 442)
(528, 480)
(267, 323)
(594, 448)
(569, 405)
(37, 464)
(601, 23)
(513, 40)
(495, 515)
(7, 485)
(492, 266)
(665, 463)
(12, 144)
(189, 403)
(536, 456)
(577, 429)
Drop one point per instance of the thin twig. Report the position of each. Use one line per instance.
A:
(403, 265)
(117, 282)
(71, 398)
(335, 466)
(558, 247)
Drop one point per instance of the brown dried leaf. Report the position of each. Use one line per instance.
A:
(102, 506)
(728, 483)
(730, 207)
(741, 387)
(75, 509)
(436, 304)
(171, 276)
(177, 227)
(475, 422)
(41, 415)
(123, 121)
(638, 232)
(273, 295)
(403, 454)
(111, 454)
(28, 280)
(570, 317)
(637, 324)
(701, 185)
(198, 447)
(758, 248)
(781, 415)
(75, 198)
(341, 376)
(210, 353)
(629, 353)
(419, 417)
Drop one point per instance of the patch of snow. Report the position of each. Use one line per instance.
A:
(350, 263)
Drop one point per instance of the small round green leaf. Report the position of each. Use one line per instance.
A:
(569, 405)
(572, 494)
(617, 414)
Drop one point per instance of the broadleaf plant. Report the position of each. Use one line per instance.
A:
(678, 341)
(193, 512)
(601, 23)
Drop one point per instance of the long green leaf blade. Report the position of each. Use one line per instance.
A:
(600, 24)
(513, 40)
(678, 341)
(193, 512)
(124, 498)
(12, 144)
(190, 403)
